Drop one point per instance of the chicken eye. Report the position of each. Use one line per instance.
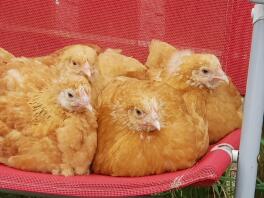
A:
(138, 112)
(70, 95)
(205, 71)
(74, 63)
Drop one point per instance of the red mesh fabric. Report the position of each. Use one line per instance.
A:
(32, 28)
(206, 171)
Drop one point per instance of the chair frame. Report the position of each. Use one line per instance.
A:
(253, 109)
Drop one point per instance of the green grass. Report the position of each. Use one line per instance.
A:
(14, 195)
(260, 179)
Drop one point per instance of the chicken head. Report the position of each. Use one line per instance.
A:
(75, 99)
(144, 117)
(199, 70)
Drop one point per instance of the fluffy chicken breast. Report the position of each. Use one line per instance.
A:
(147, 128)
(187, 71)
(53, 130)
(224, 111)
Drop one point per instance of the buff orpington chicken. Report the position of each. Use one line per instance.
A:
(5, 56)
(159, 54)
(146, 128)
(189, 71)
(77, 63)
(73, 63)
(52, 130)
(111, 63)
(71, 59)
(25, 75)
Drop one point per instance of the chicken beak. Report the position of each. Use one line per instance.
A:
(89, 107)
(156, 125)
(85, 103)
(84, 99)
(87, 69)
(220, 75)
